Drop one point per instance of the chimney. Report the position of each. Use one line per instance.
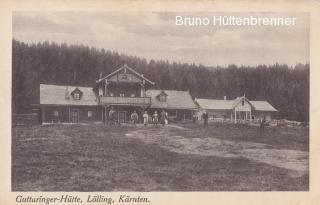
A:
(225, 97)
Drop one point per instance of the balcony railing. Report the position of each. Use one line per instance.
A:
(125, 100)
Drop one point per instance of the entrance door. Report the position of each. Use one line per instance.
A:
(122, 116)
(75, 116)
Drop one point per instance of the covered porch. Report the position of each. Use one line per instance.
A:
(241, 115)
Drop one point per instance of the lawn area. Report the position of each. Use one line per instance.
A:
(186, 157)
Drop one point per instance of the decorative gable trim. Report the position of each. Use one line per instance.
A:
(126, 69)
(241, 100)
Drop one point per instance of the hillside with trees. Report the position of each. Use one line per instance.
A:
(286, 88)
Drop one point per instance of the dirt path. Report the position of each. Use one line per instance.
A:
(166, 137)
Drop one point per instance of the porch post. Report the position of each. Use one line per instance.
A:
(235, 116)
(246, 115)
(69, 113)
(102, 107)
(105, 114)
(105, 87)
(250, 115)
(143, 93)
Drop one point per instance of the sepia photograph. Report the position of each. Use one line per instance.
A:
(109, 101)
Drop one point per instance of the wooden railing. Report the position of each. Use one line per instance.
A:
(125, 100)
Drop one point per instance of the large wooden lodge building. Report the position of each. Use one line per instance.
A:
(125, 91)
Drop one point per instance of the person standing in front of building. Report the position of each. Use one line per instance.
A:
(134, 118)
(262, 124)
(163, 117)
(111, 116)
(145, 118)
(155, 118)
(205, 118)
(166, 121)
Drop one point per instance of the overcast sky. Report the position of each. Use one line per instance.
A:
(155, 36)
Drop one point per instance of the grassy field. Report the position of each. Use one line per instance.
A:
(185, 157)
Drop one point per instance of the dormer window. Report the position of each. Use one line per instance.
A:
(77, 94)
(162, 97)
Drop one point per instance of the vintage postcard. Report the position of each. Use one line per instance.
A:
(140, 102)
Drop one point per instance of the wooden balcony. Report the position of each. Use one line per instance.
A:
(108, 100)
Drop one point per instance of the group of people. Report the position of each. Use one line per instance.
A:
(155, 118)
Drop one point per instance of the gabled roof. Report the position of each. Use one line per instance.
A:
(130, 69)
(175, 99)
(213, 104)
(61, 95)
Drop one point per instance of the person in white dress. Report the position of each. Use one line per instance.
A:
(145, 118)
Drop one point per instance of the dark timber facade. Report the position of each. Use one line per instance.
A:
(123, 90)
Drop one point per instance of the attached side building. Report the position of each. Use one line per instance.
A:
(237, 109)
(63, 103)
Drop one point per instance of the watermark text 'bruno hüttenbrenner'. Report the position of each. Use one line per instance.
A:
(234, 21)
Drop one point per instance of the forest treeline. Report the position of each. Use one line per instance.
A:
(286, 88)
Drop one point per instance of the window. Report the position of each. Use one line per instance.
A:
(242, 102)
(121, 94)
(89, 113)
(111, 94)
(133, 95)
(76, 96)
(56, 113)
